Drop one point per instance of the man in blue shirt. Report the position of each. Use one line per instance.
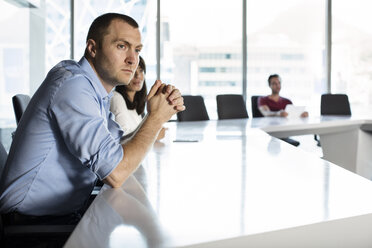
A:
(67, 138)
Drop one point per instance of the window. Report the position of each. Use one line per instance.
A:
(57, 34)
(33, 40)
(201, 53)
(14, 57)
(288, 39)
(202, 43)
(352, 52)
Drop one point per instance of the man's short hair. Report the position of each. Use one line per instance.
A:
(98, 28)
(273, 76)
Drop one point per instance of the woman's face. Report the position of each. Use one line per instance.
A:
(137, 81)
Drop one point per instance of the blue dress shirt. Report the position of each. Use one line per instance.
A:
(64, 141)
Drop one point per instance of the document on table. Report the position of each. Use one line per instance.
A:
(294, 111)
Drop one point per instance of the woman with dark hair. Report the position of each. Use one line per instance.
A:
(128, 102)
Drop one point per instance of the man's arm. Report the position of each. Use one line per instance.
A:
(134, 151)
(265, 111)
(163, 102)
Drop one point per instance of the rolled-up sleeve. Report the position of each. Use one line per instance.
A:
(82, 122)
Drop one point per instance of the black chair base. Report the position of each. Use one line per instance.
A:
(291, 141)
(317, 140)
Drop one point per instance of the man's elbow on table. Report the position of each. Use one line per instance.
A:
(118, 176)
(112, 181)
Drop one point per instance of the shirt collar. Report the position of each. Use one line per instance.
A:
(94, 78)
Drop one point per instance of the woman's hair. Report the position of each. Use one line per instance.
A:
(139, 100)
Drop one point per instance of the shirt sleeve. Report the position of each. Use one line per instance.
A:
(261, 101)
(82, 123)
(119, 108)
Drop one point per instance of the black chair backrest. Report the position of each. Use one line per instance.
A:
(3, 157)
(255, 111)
(20, 103)
(335, 104)
(195, 109)
(231, 107)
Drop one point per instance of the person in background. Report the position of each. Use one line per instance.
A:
(67, 138)
(128, 101)
(274, 104)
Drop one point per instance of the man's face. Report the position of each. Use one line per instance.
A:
(275, 85)
(117, 59)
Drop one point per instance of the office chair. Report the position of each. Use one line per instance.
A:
(3, 157)
(231, 107)
(20, 103)
(195, 109)
(335, 104)
(25, 235)
(257, 113)
(254, 103)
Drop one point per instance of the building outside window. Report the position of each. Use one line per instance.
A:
(202, 48)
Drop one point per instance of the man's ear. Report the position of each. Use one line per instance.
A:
(91, 48)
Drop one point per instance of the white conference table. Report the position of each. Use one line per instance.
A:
(230, 184)
(346, 141)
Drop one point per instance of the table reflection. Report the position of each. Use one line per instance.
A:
(127, 213)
